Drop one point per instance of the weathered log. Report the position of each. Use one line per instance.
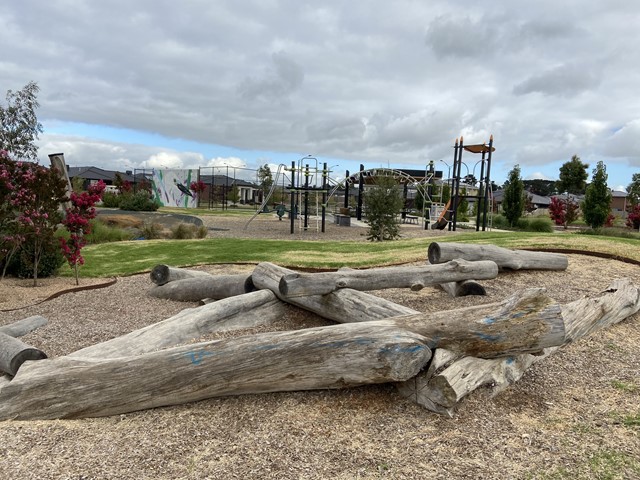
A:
(343, 306)
(463, 289)
(162, 274)
(24, 326)
(13, 353)
(503, 257)
(527, 321)
(445, 383)
(336, 356)
(415, 277)
(584, 316)
(194, 289)
(244, 311)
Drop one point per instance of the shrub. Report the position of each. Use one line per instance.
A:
(111, 200)
(499, 221)
(104, 233)
(151, 231)
(186, 231)
(139, 202)
(536, 224)
(50, 261)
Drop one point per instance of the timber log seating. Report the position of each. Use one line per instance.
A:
(435, 359)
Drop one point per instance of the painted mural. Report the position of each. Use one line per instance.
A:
(171, 187)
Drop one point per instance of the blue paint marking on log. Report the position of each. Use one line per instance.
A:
(400, 349)
(488, 321)
(510, 360)
(489, 338)
(197, 356)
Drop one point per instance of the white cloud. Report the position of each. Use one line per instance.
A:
(371, 82)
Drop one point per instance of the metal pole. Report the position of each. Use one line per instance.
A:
(479, 206)
(292, 211)
(325, 186)
(360, 192)
(487, 186)
(346, 189)
(306, 196)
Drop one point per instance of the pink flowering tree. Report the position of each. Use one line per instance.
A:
(78, 222)
(30, 196)
(197, 188)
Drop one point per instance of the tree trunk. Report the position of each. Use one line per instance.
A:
(194, 289)
(13, 353)
(336, 356)
(343, 306)
(463, 289)
(244, 311)
(505, 258)
(24, 326)
(162, 274)
(304, 284)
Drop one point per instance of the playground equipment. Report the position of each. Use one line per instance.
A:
(449, 217)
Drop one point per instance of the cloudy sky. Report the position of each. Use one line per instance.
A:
(199, 83)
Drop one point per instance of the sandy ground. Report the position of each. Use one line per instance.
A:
(574, 415)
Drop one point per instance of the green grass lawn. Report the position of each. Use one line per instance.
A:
(125, 258)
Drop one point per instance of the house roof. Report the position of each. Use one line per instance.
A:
(618, 194)
(95, 173)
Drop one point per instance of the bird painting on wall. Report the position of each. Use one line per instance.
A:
(182, 188)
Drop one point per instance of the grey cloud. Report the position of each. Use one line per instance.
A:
(563, 80)
(450, 36)
(285, 77)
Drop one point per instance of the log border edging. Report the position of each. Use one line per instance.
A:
(96, 286)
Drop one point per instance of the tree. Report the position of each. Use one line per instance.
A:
(265, 179)
(30, 196)
(538, 186)
(513, 201)
(234, 194)
(384, 203)
(77, 222)
(597, 199)
(633, 190)
(19, 126)
(563, 212)
(573, 176)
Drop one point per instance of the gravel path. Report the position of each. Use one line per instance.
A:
(564, 419)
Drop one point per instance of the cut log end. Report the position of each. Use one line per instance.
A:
(160, 274)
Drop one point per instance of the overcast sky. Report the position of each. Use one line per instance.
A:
(154, 83)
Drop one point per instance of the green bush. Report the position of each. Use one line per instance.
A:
(500, 221)
(103, 233)
(186, 231)
(51, 260)
(151, 231)
(536, 224)
(138, 202)
(111, 200)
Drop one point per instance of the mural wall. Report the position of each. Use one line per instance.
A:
(171, 187)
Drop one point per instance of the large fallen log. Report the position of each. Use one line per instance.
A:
(13, 353)
(450, 378)
(414, 277)
(162, 274)
(194, 289)
(344, 306)
(336, 356)
(505, 259)
(244, 311)
(527, 321)
(24, 326)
